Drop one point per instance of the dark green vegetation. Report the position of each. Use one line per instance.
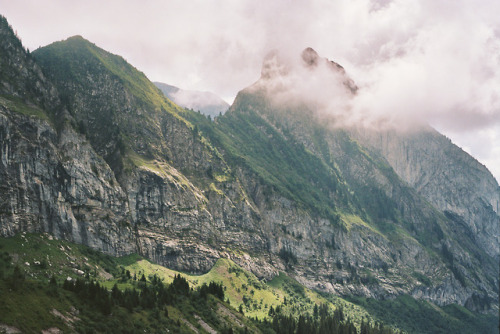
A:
(118, 120)
(28, 92)
(122, 295)
(282, 151)
(414, 316)
(84, 306)
(284, 166)
(33, 302)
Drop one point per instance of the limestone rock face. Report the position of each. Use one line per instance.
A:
(97, 155)
(54, 182)
(450, 179)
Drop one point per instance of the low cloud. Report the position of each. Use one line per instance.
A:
(305, 79)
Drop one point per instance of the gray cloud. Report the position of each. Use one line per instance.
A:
(434, 60)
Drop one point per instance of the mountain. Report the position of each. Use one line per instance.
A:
(96, 154)
(207, 103)
(51, 178)
(379, 196)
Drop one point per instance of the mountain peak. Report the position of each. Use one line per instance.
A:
(274, 65)
(76, 38)
(20, 76)
(310, 56)
(290, 80)
(310, 66)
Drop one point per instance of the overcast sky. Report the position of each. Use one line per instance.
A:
(435, 59)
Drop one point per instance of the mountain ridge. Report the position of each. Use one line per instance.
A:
(257, 185)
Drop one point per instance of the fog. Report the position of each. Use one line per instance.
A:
(434, 61)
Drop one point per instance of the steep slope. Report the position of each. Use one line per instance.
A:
(206, 102)
(51, 180)
(43, 304)
(115, 105)
(413, 240)
(22, 79)
(30, 304)
(170, 173)
(447, 177)
(267, 185)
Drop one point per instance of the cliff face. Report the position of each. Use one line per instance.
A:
(447, 177)
(393, 177)
(51, 180)
(21, 78)
(125, 170)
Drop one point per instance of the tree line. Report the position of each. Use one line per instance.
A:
(322, 321)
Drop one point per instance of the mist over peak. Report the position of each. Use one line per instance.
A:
(323, 87)
(280, 64)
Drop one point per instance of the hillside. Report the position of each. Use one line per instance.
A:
(44, 287)
(95, 154)
(361, 189)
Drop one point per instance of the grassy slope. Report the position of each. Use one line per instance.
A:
(243, 135)
(422, 317)
(28, 308)
(285, 166)
(63, 259)
(127, 109)
(32, 304)
(313, 181)
(69, 59)
(17, 105)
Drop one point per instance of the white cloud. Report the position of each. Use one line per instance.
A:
(436, 60)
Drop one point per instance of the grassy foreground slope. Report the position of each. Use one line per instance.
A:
(51, 284)
(33, 268)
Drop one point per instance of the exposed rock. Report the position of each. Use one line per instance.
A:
(9, 329)
(434, 166)
(52, 330)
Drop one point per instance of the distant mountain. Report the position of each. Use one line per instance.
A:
(205, 102)
(92, 152)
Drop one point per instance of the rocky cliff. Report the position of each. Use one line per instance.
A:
(51, 179)
(435, 167)
(125, 170)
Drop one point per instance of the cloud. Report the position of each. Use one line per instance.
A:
(434, 60)
(445, 70)
(307, 81)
